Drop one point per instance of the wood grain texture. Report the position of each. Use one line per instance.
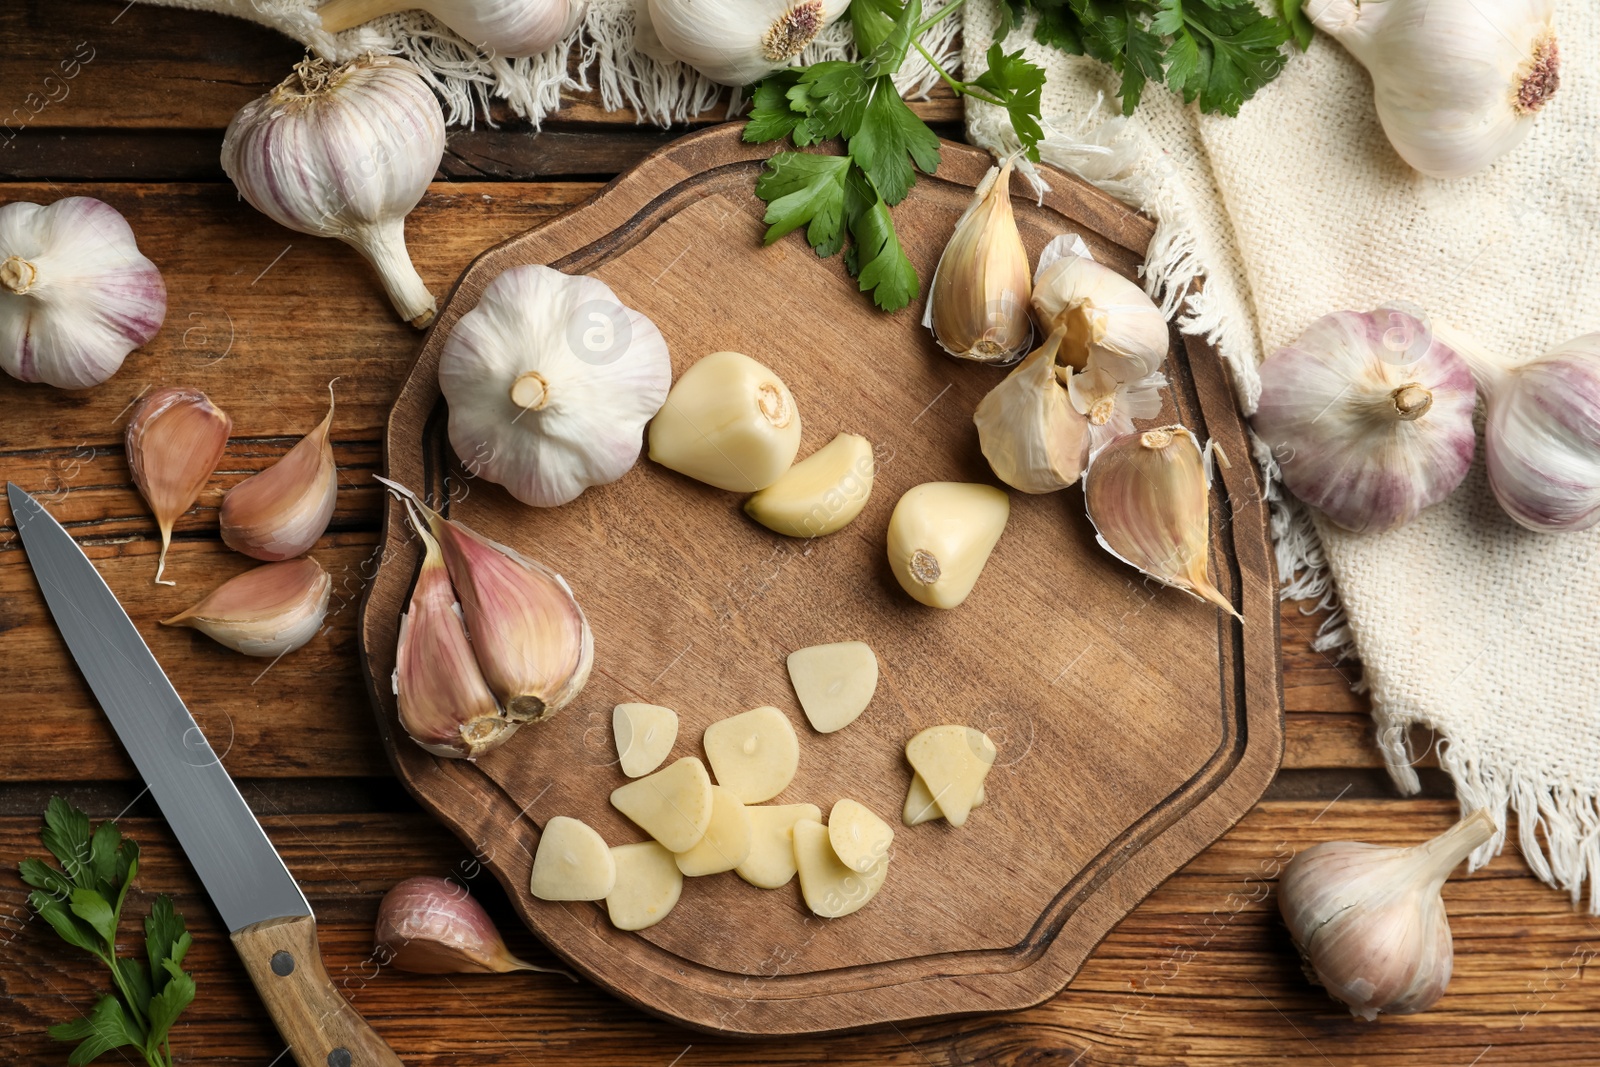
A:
(694, 607)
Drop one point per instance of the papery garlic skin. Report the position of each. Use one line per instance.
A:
(1369, 921)
(978, 300)
(345, 152)
(509, 29)
(550, 380)
(1369, 417)
(1103, 314)
(1110, 406)
(1148, 497)
(1029, 431)
(429, 925)
(1457, 83)
(267, 611)
(173, 442)
(76, 296)
(733, 42)
(729, 422)
(280, 512)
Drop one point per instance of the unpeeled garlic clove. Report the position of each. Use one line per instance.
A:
(1101, 312)
(821, 494)
(528, 633)
(280, 512)
(728, 422)
(978, 300)
(940, 537)
(430, 925)
(1032, 436)
(1148, 498)
(1111, 405)
(266, 611)
(174, 441)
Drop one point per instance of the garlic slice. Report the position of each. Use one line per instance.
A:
(952, 762)
(770, 863)
(727, 839)
(1102, 312)
(821, 494)
(920, 807)
(859, 838)
(673, 805)
(834, 683)
(280, 512)
(266, 611)
(728, 422)
(647, 888)
(978, 300)
(1030, 432)
(572, 862)
(755, 754)
(644, 734)
(831, 889)
(174, 441)
(940, 537)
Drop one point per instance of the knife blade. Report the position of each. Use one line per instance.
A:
(268, 918)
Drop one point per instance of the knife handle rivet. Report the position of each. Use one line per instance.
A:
(339, 1057)
(282, 964)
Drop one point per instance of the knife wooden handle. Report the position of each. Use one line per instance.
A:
(321, 1027)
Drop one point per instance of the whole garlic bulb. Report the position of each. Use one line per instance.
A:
(1369, 416)
(1458, 83)
(550, 381)
(1103, 314)
(1369, 921)
(509, 29)
(978, 300)
(734, 42)
(345, 152)
(75, 294)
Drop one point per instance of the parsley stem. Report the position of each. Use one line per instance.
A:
(960, 88)
(933, 20)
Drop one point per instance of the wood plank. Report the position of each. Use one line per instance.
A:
(1201, 973)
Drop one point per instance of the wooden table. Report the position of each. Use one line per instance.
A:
(127, 104)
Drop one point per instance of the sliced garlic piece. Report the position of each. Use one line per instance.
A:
(834, 682)
(726, 843)
(952, 761)
(859, 838)
(920, 805)
(940, 537)
(648, 885)
(754, 754)
(645, 734)
(728, 422)
(831, 889)
(821, 494)
(770, 863)
(672, 805)
(573, 862)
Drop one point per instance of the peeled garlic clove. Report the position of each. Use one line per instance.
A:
(573, 862)
(345, 151)
(1369, 921)
(512, 29)
(733, 42)
(76, 296)
(952, 762)
(550, 380)
(1457, 83)
(859, 838)
(831, 889)
(673, 805)
(280, 512)
(1028, 429)
(728, 422)
(173, 442)
(648, 885)
(821, 494)
(431, 925)
(445, 705)
(770, 863)
(834, 682)
(267, 611)
(754, 754)
(530, 637)
(1101, 312)
(726, 843)
(1369, 417)
(644, 734)
(1148, 496)
(978, 300)
(940, 537)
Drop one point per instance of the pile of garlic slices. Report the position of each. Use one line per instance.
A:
(699, 826)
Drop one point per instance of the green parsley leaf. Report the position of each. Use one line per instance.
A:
(41, 875)
(771, 116)
(167, 1005)
(73, 930)
(1294, 13)
(1017, 83)
(881, 266)
(1223, 51)
(805, 189)
(134, 979)
(103, 848)
(891, 138)
(887, 56)
(106, 1028)
(833, 98)
(165, 938)
(95, 910)
(66, 835)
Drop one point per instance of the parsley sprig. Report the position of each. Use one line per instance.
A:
(82, 901)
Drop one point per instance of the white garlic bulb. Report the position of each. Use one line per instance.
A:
(509, 29)
(1458, 83)
(1369, 417)
(345, 152)
(1104, 314)
(978, 300)
(75, 294)
(734, 42)
(1542, 435)
(1032, 436)
(1369, 921)
(550, 381)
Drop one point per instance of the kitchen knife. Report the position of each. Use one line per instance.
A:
(268, 918)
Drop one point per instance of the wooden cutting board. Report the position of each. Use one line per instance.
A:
(1134, 723)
